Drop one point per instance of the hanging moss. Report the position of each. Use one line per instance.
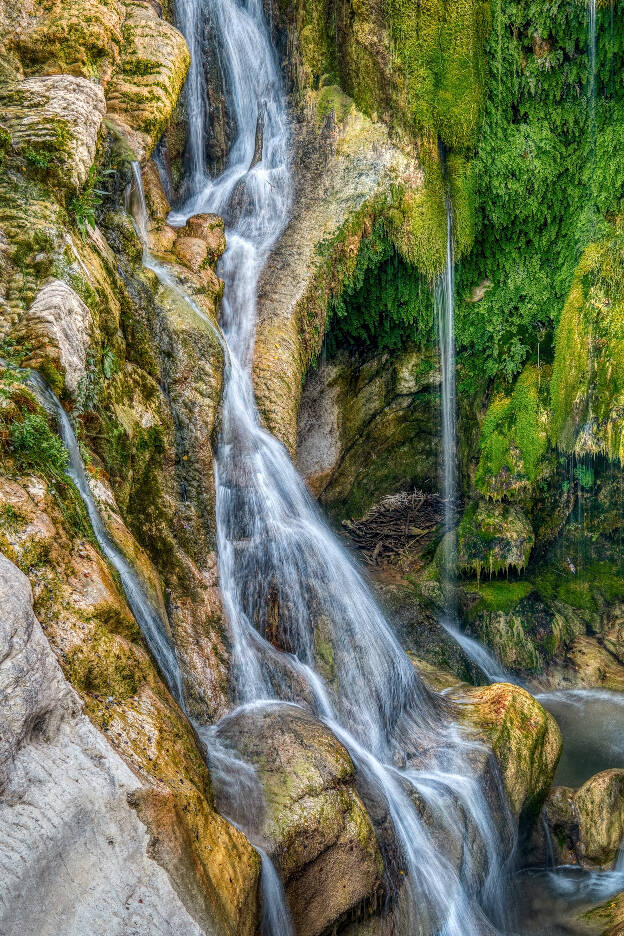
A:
(540, 190)
(493, 538)
(514, 436)
(587, 386)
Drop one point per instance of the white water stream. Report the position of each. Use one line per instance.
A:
(278, 560)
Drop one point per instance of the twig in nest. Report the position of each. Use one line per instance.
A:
(398, 524)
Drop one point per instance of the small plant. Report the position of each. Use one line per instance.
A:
(82, 207)
(584, 474)
(110, 364)
(40, 158)
(35, 446)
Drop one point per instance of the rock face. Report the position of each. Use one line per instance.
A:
(587, 824)
(213, 868)
(318, 831)
(366, 430)
(58, 117)
(494, 538)
(342, 170)
(525, 739)
(74, 854)
(57, 329)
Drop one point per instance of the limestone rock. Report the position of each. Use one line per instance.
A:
(600, 806)
(78, 38)
(191, 252)
(57, 329)
(145, 88)
(525, 739)
(214, 869)
(210, 229)
(340, 171)
(74, 854)
(320, 835)
(60, 116)
(367, 430)
(587, 825)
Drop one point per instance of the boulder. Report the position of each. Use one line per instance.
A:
(57, 329)
(600, 806)
(318, 832)
(524, 737)
(57, 118)
(587, 825)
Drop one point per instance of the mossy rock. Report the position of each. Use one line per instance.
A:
(515, 437)
(587, 386)
(528, 636)
(493, 537)
(524, 737)
(320, 835)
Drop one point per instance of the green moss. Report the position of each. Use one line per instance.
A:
(107, 665)
(495, 595)
(541, 190)
(587, 386)
(494, 537)
(331, 98)
(514, 436)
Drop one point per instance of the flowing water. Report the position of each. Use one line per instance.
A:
(444, 303)
(152, 622)
(284, 576)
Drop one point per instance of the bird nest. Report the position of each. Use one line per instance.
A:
(399, 526)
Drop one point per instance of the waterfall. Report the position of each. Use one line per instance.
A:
(149, 619)
(444, 304)
(195, 92)
(444, 301)
(278, 561)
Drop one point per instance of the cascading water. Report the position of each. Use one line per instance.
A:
(444, 303)
(149, 619)
(278, 562)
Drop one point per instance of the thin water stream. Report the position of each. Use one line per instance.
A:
(153, 623)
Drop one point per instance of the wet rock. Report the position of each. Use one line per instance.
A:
(58, 116)
(57, 328)
(524, 737)
(341, 169)
(318, 831)
(366, 430)
(494, 537)
(609, 916)
(600, 806)
(213, 867)
(210, 229)
(191, 252)
(587, 825)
